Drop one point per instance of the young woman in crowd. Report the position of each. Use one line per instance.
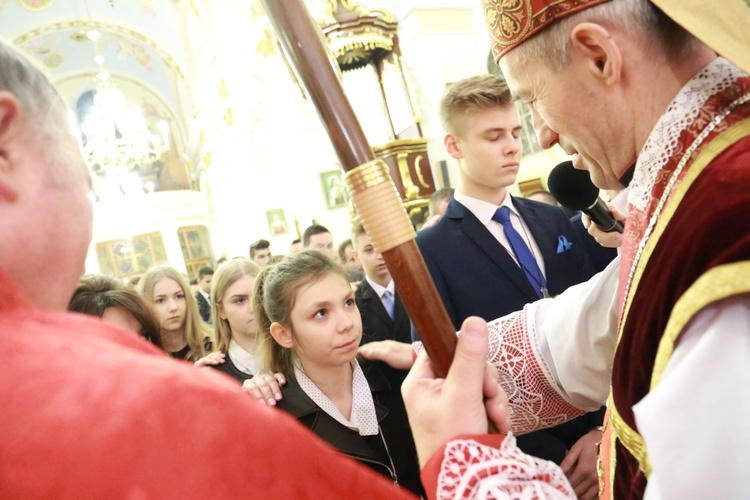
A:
(234, 319)
(183, 333)
(309, 329)
(116, 302)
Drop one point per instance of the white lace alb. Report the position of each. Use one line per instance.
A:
(535, 399)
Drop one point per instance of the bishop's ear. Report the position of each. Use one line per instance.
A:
(282, 335)
(9, 114)
(599, 51)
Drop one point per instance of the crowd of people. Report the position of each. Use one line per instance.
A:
(277, 355)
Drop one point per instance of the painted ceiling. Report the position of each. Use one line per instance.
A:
(143, 42)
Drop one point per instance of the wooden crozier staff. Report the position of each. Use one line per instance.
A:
(367, 179)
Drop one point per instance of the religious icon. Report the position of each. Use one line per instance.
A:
(334, 189)
(277, 222)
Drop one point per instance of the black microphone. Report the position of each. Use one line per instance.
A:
(573, 189)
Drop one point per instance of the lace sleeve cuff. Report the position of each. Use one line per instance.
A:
(535, 399)
(491, 466)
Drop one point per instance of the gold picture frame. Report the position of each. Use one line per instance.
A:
(334, 189)
(277, 224)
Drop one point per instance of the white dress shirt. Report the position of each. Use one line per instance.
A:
(380, 290)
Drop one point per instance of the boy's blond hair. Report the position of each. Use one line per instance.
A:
(470, 95)
(357, 230)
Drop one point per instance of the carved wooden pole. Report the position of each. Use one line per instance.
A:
(370, 186)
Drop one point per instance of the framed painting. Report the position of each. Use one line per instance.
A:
(277, 222)
(334, 190)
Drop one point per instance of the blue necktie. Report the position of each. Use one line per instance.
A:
(523, 255)
(388, 303)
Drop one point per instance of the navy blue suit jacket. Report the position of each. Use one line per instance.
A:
(600, 256)
(377, 325)
(204, 307)
(476, 276)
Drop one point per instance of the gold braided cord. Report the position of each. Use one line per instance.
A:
(379, 206)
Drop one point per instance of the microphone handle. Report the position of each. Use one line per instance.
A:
(602, 217)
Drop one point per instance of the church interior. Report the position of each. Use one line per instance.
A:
(201, 139)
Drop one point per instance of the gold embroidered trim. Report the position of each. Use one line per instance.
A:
(630, 439)
(510, 22)
(620, 429)
(704, 157)
(717, 284)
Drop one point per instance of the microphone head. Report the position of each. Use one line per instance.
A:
(572, 188)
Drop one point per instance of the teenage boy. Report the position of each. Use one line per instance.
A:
(202, 296)
(383, 314)
(260, 252)
(492, 253)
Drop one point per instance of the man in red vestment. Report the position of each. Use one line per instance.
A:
(615, 82)
(609, 82)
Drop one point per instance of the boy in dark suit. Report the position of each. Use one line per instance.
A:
(383, 314)
(205, 276)
(492, 253)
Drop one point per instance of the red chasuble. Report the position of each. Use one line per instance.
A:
(697, 219)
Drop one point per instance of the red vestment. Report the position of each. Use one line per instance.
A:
(701, 224)
(92, 411)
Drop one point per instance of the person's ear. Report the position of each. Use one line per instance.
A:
(600, 51)
(220, 310)
(9, 123)
(282, 335)
(451, 145)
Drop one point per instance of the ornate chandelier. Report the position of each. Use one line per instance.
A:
(122, 152)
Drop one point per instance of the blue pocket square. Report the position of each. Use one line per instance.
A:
(563, 245)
